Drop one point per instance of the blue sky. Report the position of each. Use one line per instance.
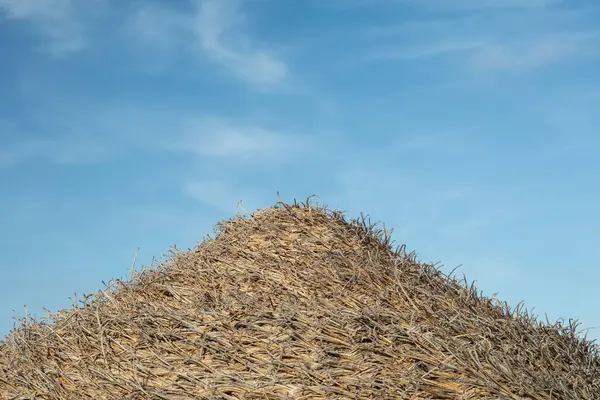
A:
(468, 126)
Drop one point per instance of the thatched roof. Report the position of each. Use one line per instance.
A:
(295, 302)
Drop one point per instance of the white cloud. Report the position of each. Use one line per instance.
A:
(218, 30)
(57, 20)
(217, 27)
(220, 138)
(103, 133)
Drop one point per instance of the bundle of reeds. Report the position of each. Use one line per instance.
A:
(295, 302)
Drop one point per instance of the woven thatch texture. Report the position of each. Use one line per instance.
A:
(295, 302)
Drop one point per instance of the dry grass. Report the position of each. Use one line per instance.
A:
(295, 302)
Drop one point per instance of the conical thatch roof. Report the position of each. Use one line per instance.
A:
(294, 302)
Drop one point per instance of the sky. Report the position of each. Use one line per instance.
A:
(467, 126)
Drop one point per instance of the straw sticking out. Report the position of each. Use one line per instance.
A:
(295, 302)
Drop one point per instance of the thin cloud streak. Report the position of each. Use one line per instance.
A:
(483, 42)
(534, 54)
(441, 4)
(481, 4)
(429, 50)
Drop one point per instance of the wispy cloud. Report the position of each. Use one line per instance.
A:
(102, 134)
(441, 4)
(534, 53)
(57, 20)
(480, 4)
(221, 138)
(490, 56)
(218, 27)
(156, 25)
(427, 50)
(218, 31)
(482, 40)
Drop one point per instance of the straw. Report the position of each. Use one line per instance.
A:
(295, 302)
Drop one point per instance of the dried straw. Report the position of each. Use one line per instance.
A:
(295, 302)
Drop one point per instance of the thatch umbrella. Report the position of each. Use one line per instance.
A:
(295, 302)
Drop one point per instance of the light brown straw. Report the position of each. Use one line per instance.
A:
(295, 302)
